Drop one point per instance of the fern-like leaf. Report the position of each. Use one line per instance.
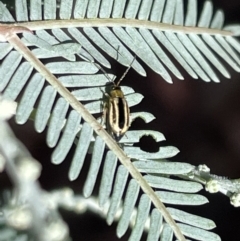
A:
(195, 42)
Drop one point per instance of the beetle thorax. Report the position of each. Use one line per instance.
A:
(116, 92)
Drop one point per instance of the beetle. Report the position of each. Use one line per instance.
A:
(116, 110)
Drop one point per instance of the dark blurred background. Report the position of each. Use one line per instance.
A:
(201, 119)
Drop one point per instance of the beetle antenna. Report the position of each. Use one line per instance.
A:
(125, 73)
(104, 72)
(99, 67)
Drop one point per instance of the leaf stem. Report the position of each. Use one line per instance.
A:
(118, 22)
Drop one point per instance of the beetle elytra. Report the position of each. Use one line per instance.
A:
(116, 110)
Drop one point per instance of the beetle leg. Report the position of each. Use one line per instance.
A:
(102, 118)
(104, 115)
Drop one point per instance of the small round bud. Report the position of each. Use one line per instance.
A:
(57, 231)
(203, 168)
(20, 218)
(212, 186)
(29, 169)
(235, 199)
